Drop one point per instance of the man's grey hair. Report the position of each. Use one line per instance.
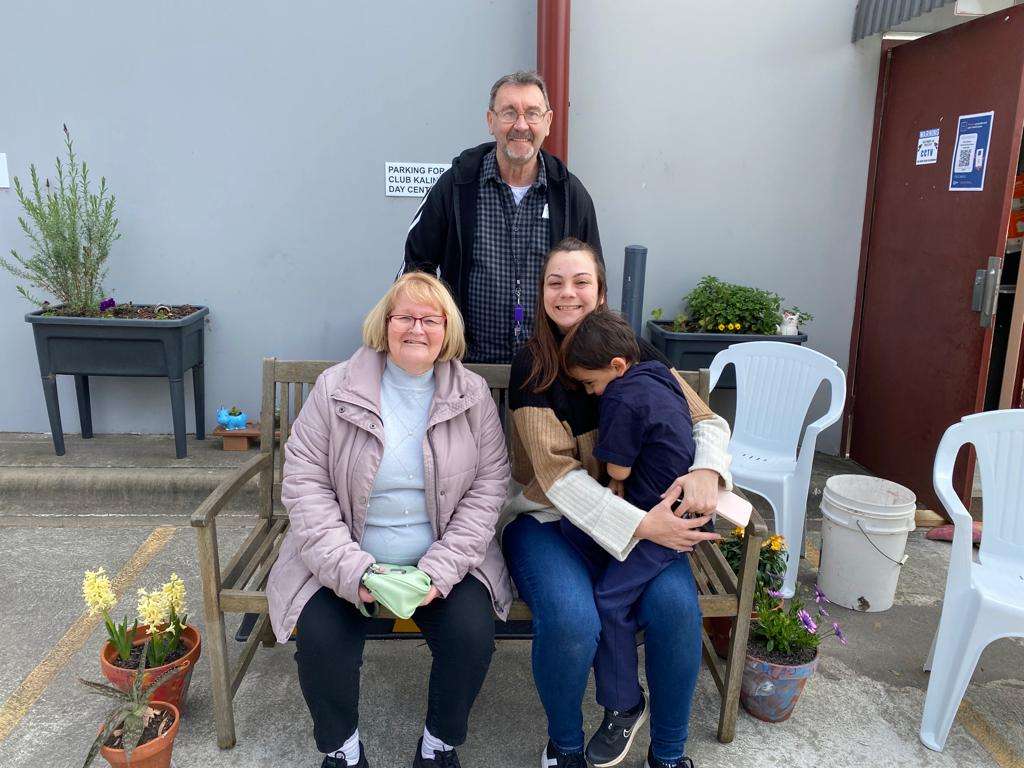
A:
(523, 77)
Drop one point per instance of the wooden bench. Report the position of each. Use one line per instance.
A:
(238, 586)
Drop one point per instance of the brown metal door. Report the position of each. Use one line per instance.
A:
(919, 356)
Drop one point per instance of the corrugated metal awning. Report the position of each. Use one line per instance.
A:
(874, 16)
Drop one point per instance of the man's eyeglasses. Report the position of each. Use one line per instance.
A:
(533, 116)
(406, 322)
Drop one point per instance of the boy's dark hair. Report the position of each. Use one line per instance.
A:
(596, 339)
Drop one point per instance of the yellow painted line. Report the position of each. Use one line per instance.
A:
(989, 738)
(811, 554)
(32, 687)
(405, 625)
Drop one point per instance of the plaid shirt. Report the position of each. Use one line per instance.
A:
(508, 250)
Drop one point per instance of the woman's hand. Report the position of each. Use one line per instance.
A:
(366, 595)
(699, 489)
(431, 594)
(662, 527)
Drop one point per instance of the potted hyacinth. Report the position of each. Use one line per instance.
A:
(70, 231)
(719, 314)
(159, 639)
(139, 731)
(782, 653)
(771, 567)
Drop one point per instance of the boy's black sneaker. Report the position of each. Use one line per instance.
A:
(653, 762)
(339, 762)
(552, 758)
(610, 745)
(440, 759)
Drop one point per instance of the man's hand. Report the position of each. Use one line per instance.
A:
(699, 489)
(366, 595)
(662, 527)
(431, 594)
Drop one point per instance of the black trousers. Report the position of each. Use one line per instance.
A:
(459, 631)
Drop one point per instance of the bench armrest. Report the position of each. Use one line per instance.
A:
(759, 525)
(220, 495)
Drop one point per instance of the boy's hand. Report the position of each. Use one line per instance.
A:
(699, 489)
(617, 487)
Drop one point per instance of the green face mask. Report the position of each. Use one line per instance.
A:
(399, 588)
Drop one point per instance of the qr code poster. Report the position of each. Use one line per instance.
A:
(970, 153)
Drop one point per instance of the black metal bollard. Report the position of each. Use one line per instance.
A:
(633, 275)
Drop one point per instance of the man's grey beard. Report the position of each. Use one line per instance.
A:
(516, 158)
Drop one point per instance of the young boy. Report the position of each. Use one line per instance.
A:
(645, 435)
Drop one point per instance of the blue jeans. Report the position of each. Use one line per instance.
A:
(553, 579)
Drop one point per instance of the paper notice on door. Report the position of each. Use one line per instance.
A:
(928, 147)
(970, 154)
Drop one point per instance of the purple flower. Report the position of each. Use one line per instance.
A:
(775, 593)
(822, 612)
(839, 633)
(807, 621)
(107, 304)
(819, 596)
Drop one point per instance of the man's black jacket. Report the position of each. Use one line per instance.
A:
(441, 234)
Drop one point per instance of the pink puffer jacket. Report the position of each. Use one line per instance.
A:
(332, 458)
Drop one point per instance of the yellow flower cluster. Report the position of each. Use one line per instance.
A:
(98, 593)
(775, 542)
(729, 326)
(154, 608)
(738, 532)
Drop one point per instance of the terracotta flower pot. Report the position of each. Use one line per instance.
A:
(155, 753)
(770, 691)
(173, 692)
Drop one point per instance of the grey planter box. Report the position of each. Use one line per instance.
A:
(102, 346)
(692, 351)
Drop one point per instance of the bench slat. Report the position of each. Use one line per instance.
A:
(229, 576)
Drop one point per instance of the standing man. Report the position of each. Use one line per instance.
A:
(490, 219)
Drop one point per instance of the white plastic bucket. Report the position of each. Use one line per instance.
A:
(864, 527)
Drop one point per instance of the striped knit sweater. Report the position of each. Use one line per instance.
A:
(552, 457)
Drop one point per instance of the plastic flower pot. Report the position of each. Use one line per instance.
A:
(155, 753)
(174, 691)
(769, 691)
(226, 420)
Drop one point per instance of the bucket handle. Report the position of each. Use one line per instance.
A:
(899, 563)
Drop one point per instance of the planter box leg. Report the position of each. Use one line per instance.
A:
(53, 412)
(199, 396)
(84, 405)
(178, 417)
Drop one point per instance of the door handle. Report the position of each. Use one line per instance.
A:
(985, 293)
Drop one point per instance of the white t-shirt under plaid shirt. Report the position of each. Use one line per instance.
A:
(509, 247)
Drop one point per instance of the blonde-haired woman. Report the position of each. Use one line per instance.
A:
(397, 457)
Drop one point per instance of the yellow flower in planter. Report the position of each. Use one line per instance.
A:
(154, 609)
(174, 591)
(775, 542)
(721, 326)
(98, 593)
(738, 532)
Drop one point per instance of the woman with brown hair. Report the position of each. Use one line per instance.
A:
(553, 462)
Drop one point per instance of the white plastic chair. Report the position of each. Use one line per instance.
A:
(984, 600)
(775, 383)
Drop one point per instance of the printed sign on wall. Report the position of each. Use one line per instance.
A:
(970, 154)
(411, 179)
(928, 147)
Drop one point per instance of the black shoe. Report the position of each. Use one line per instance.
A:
(447, 759)
(653, 762)
(610, 745)
(339, 762)
(552, 758)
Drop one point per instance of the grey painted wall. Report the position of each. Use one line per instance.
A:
(246, 144)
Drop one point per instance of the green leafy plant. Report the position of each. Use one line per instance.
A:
(715, 305)
(235, 411)
(71, 230)
(791, 629)
(771, 560)
(132, 712)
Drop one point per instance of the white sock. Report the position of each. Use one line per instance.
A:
(349, 750)
(432, 744)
